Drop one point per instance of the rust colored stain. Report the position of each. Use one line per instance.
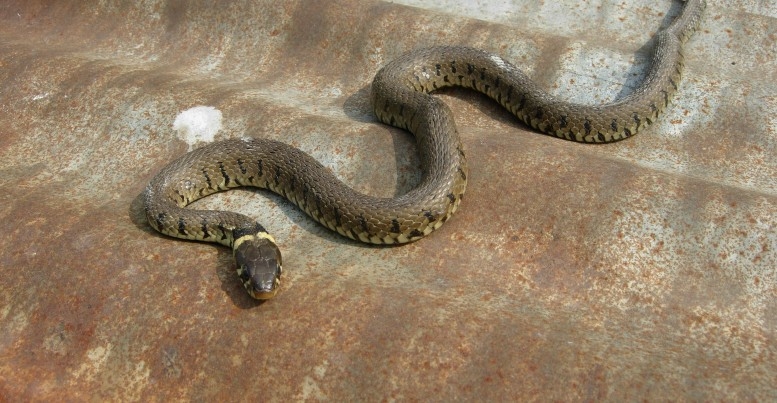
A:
(645, 269)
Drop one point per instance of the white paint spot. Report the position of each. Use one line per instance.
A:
(498, 60)
(198, 124)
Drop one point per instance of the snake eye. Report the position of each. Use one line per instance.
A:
(259, 266)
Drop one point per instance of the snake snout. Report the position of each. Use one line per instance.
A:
(259, 266)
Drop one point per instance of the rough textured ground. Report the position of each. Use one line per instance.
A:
(642, 269)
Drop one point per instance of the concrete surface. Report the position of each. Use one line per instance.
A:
(644, 269)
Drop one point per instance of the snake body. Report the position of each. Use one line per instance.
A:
(400, 97)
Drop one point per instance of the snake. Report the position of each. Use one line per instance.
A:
(400, 96)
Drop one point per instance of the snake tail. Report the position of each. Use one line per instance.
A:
(429, 69)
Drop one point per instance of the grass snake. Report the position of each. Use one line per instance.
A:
(400, 97)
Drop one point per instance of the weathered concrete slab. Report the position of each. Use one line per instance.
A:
(645, 269)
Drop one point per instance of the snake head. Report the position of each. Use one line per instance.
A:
(258, 265)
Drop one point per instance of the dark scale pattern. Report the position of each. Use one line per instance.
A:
(298, 177)
(400, 98)
(433, 68)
